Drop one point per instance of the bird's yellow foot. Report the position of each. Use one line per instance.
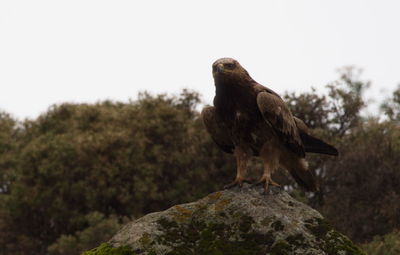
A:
(265, 182)
(237, 182)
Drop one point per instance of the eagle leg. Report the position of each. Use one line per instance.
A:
(242, 158)
(271, 161)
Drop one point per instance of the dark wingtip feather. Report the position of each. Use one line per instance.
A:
(315, 145)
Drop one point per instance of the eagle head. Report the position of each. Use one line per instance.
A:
(228, 69)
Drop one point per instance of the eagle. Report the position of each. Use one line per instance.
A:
(249, 119)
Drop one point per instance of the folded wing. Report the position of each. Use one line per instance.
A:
(216, 129)
(313, 144)
(278, 116)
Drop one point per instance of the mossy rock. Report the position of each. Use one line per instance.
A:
(238, 221)
(106, 249)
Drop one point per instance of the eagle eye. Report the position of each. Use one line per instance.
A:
(230, 65)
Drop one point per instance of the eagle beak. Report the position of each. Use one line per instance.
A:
(220, 68)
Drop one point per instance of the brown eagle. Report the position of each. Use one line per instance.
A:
(248, 119)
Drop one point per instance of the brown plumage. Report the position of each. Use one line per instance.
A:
(249, 119)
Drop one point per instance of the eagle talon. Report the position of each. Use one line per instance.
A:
(265, 182)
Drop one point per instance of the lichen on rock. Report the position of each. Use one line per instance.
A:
(239, 221)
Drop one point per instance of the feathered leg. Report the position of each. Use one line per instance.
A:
(271, 162)
(242, 159)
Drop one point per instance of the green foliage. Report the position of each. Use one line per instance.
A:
(346, 100)
(365, 181)
(391, 107)
(8, 136)
(100, 228)
(312, 108)
(113, 158)
(388, 244)
(358, 186)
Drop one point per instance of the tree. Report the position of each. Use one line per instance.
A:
(100, 228)
(8, 136)
(391, 107)
(388, 244)
(112, 158)
(359, 191)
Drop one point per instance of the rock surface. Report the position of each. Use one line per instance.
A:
(238, 221)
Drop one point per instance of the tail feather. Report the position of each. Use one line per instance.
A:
(298, 168)
(315, 145)
(304, 179)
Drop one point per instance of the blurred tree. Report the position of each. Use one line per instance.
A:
(113, 158)
(99, 228)
(346, 99)
(391, 107)
(8, 136)
(361, 189)
(358, 188)
(388, 244)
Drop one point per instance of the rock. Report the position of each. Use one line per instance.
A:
(237, 221)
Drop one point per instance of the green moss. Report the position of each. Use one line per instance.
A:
(222, 214)
(319, 227)
(336, 242)
(296, 240)
(214, 238)
(332, 241)
(145, 240)
(277, 225)
(289, 245)
(245, 223)
(281, 248)
(106, 249)
(166, 223)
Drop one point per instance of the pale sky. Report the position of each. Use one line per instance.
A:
(85, 51)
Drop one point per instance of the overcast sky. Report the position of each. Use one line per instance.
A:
(86, 51)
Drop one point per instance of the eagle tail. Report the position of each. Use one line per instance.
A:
(298, 168)
(315, 145)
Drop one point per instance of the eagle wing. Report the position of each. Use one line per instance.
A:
(278, 116)
(311, 143)
(215, 127)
